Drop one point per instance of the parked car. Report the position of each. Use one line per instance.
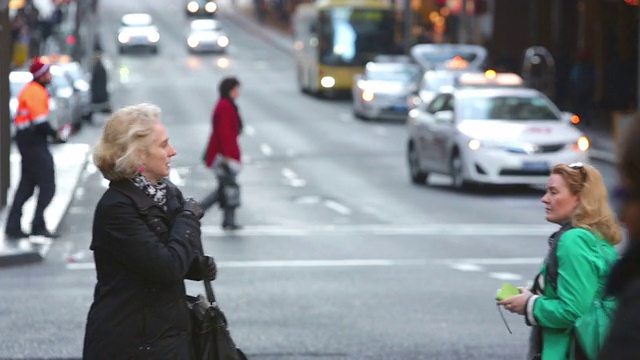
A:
(201, 7)
(138, 31)
(80, 81)
(490, 129)
(206, 35)
(384, 89)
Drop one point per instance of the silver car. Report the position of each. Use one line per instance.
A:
(384, 89)
(138, 31)
(206, 35)
(79, 78)
(491, 134)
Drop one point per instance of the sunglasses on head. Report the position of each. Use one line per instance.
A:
(580, 167)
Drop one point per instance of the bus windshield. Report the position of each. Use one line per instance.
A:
(351, 36)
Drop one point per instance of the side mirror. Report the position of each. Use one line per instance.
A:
(570, 118)
(414, 101)
(444, 117)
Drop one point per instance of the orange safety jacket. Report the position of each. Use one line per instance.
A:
(33, 106)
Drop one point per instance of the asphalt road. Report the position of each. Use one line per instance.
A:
(341, 257)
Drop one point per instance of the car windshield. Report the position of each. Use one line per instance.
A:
(436, 81)
(517, 108)
(204, 25)
(400, 75)
(136, 20)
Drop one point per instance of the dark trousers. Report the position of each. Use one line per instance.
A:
(217, 197)
(37, 171)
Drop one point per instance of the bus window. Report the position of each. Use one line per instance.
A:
(351, 36)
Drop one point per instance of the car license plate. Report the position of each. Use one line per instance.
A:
(535, 165)
(400, 107)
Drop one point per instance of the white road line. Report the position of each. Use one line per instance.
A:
(337, 207)
(288, 173)
(266, 149)
(505, 276)
(467, 267)
(497, 230)
(249, 130)
(500, 261)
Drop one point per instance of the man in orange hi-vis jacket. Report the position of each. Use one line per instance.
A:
(32, 137)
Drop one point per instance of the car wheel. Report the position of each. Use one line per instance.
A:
(88, 117)
(418, 176)
(457, 173)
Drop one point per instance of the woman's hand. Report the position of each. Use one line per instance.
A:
(517, 304)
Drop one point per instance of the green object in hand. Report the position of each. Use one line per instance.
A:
(506, 291)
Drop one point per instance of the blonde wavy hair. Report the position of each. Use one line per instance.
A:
(593, 211)
(124, 141)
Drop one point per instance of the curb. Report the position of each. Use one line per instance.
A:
(20, 257)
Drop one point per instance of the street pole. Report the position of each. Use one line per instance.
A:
(638, 61)
(407, 26)
(5, 122)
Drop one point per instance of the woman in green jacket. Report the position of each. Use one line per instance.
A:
(577, 264)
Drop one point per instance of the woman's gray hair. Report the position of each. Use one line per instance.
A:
(125, 140)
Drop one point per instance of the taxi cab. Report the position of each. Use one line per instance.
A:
(490, 129)
(137, 31)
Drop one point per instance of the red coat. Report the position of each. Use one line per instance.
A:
(224, 137)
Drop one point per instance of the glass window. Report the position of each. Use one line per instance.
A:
(354, 36)
(516, 108)
(405, 75)
(439, 103)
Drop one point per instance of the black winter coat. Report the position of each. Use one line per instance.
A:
(623, 342)
(142, 256)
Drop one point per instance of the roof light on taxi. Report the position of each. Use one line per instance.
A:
(490, 74)
(575, 119)
(582, 144)
(457, 63)
(487, 79)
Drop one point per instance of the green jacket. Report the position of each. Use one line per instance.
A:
(584, 261)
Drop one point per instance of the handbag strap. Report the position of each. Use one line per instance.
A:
(208, 288)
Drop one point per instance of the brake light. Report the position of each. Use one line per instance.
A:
(575, 119)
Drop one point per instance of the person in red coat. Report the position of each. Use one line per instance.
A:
(223, 153)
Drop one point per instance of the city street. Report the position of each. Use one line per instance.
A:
(341, 256)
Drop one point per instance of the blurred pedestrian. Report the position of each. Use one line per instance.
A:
(33, 132)
(146, 240)
(99, 85)
(577, 264)
(223, 153)
(623, 342)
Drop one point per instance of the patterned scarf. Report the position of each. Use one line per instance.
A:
(157, 192)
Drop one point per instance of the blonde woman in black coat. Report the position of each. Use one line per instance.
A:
(145, 243)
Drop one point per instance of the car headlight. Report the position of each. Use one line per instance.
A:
(153, 37)
(368, 95)
(123, 38)
(582, 144)
(327, 82)
(193, 6)
(223, 41)
(192, 41)
(210, 7)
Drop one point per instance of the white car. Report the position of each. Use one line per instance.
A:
(384, 89)
(137, 31)
(206, 35)
(488, 133)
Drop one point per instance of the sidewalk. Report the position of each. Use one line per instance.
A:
(280, 36)
(70, 160)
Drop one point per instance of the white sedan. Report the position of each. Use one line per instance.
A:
(138, 31)
(495, 135)
(206, 35)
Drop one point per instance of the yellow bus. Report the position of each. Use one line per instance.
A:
(334, 39)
